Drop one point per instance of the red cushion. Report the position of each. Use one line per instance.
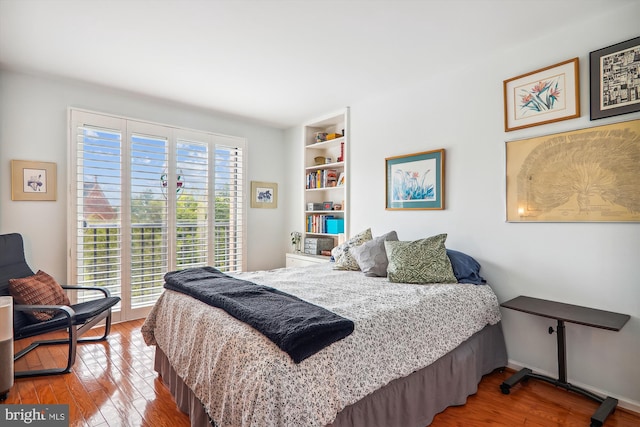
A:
(39, 289)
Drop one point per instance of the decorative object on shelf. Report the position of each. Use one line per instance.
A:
(615, 79)
(296, 238)
(588, 175)
(341, 157)
(33, 180)
(415, 181)
(341, 179)
(321, 136)
(548, 95)
(264, 195)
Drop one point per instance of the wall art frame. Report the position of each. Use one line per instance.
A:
(614, 73)
(264, 195)
(543, 96)
(415, 181)
(585, 175)
(31, 180)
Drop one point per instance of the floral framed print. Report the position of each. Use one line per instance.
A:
(614, 72)
(415, 181)
(543, 96)
(264, 195)
(33, 180)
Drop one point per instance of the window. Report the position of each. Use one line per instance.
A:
(147, 199)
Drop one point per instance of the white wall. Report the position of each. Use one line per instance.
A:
(591, 264)
(33, 126)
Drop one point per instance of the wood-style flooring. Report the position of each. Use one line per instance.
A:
(114, 384)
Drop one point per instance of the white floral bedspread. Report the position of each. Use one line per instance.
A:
(243, 379)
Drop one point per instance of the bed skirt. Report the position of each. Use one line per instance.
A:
(409, 401)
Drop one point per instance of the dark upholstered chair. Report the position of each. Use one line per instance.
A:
(75, 319)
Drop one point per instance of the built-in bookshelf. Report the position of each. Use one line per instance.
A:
(326, 203)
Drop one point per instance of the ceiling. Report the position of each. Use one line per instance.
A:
(279, 63)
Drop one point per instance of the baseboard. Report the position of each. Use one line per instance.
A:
(623, 403)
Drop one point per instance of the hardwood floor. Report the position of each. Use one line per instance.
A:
(113, 384)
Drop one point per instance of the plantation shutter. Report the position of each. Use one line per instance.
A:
(96, 185)
(229, 208)
(148, 199)
(193, 203)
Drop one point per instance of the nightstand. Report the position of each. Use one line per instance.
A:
(302, 260)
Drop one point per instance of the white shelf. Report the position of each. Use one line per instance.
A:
(337, 148)
(334, 165)
(326, 144)
(323, 212)
(337, 187)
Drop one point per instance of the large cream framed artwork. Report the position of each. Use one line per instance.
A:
(588, 175)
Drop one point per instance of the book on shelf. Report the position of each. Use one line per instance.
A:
(322, 178)
(317, 223)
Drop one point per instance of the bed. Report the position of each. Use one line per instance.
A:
(415, 350)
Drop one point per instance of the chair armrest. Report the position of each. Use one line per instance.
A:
(68, 311)
(105, 291)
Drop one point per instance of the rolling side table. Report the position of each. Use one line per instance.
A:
(572, 314)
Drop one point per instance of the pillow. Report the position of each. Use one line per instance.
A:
(342, 253)
(465, 268)
(39, 289)
(372, 257)
(420, 261)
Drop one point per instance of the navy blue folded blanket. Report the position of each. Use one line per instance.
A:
(297, 327)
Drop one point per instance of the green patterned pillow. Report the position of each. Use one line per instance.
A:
(344, 260)
(420, 261)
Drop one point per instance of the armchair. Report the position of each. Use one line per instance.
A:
(76, 319)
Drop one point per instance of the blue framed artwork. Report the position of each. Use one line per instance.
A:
(415, 181)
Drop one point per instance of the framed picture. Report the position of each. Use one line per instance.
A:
(415, 181)
(264, 195)
(33, 180)
(587, 175)
(543, 96)
(615, 79)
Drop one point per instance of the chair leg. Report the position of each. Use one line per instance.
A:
(72, 341)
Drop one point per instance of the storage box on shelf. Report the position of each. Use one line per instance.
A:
(326, 176)
(316, 245)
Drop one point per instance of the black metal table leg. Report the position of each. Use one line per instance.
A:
(514, 379)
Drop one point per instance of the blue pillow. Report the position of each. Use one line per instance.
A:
(465, 268)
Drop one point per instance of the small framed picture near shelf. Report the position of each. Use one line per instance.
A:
(415, 181)
(33, 180)
(615, 79)
(264, 195)
(543, 96)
